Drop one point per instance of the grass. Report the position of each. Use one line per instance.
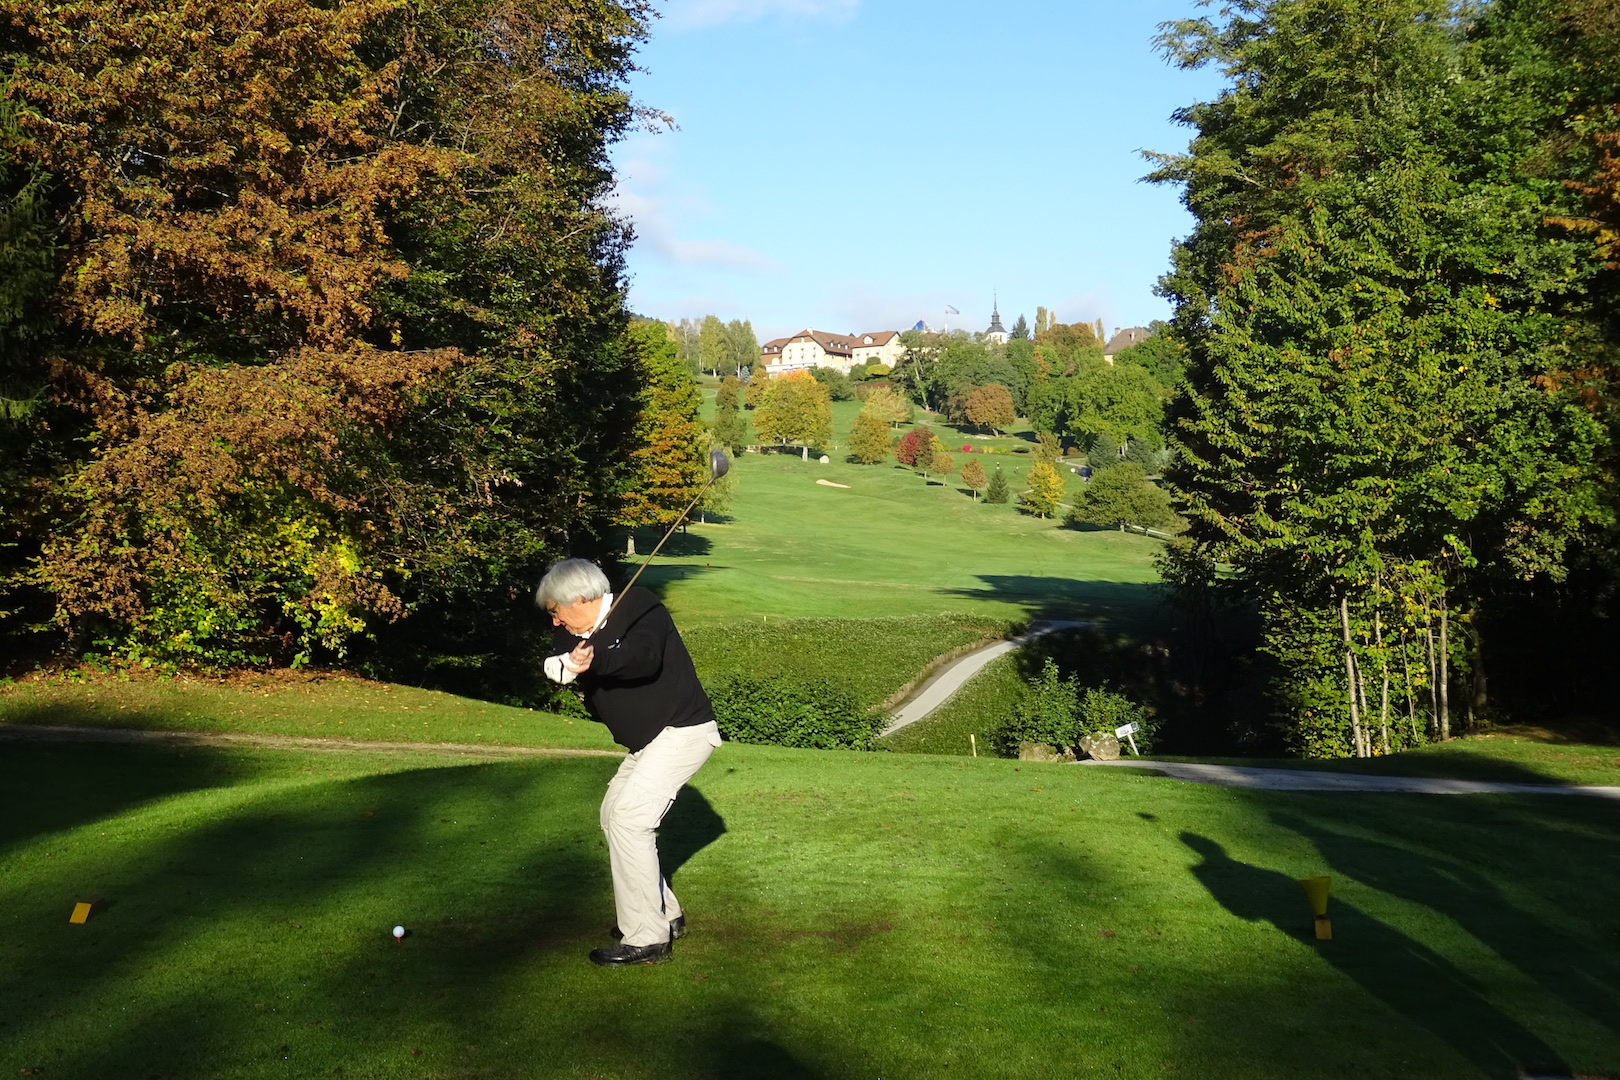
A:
(853, 915)
(977, 709)
(891, 543)
(872, 657)
(288, 703)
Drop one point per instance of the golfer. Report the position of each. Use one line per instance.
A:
(638, 680)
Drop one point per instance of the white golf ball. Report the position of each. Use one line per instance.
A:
(399, 931)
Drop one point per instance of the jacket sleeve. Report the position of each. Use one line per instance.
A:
(639, 652)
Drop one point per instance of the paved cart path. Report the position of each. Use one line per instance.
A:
(949, 679)
(1312, 780)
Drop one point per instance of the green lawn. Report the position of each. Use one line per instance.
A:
(853, 915)
(891, 543)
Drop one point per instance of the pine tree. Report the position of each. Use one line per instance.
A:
(997, 492)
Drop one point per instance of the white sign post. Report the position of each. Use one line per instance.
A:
(1128, 733)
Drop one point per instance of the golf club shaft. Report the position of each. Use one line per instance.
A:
(617, 600)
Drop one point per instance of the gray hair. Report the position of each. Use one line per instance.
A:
(569, 580)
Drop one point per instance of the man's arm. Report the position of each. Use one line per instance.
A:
(639, 652)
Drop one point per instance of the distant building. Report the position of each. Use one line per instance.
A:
(817, 348)
(996, 333)
(1124, 339)
(879, 347)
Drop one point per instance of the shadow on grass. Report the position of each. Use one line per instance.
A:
(1068, 598)
(690, 826)
(90, 783)
(280, 897)
(1563, 857)
(1412, 979)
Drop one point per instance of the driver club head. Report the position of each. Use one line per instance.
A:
(719, 464)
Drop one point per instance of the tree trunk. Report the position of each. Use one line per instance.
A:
(1481, 697)
(1383, 697)
(1350, 674)
(630, 545)
(1434, 679)
(1445, 671)
(805, 453)
(1406, 675)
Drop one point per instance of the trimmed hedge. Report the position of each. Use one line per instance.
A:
(784, 710)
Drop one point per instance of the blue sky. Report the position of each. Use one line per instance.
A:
(854, 165)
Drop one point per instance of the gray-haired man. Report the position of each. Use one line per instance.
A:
(638, 679)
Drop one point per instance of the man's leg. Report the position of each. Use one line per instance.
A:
(638, 797)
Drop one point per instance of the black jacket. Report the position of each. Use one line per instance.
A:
(641, 679)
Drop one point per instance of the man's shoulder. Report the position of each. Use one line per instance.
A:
(637, 604)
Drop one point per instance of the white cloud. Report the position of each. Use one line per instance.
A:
(655, 231)
(697, 14)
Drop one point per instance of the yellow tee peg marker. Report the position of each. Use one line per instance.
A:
(1316, 892)
(83, 910)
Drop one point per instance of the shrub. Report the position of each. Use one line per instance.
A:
(784, 710)
(1053, 710)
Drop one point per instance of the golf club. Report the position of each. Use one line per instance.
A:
(719, 465)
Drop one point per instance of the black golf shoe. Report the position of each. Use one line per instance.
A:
(677, 929)
(624, 955)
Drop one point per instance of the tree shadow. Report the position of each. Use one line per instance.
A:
(682, 545)
(1381, 850)
(1419, 984)
(92, 782)
(1068, 598)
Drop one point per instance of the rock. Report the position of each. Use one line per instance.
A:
(1039, 751)
(825, 460)
(1102, 746)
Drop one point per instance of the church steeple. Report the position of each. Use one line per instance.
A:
(997, 332)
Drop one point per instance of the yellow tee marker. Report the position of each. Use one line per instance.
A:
(1316, 891)
(83, 910)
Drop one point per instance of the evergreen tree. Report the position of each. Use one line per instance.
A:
(997, 492)
(1104, 453)
(730, 429)
(1370, 433)
(1019, 331)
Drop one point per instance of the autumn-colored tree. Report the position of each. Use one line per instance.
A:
(795, 409)
(869, 438)
(729, 395)
(670, 455)
(940, 463)
(1045, 490)
(915, 447)
(991, 407)
(754, 393)
(889, 405)
(973, 476)
(328, 322)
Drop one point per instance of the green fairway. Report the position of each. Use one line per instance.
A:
(852, 915)
(892, 543)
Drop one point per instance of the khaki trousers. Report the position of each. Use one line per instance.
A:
(638, 797)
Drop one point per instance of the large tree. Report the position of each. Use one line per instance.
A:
(1368, 302)
(324, 315)
(795, 409)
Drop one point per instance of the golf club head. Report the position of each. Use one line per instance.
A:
(719, 464)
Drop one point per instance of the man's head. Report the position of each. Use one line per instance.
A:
(569, 592)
